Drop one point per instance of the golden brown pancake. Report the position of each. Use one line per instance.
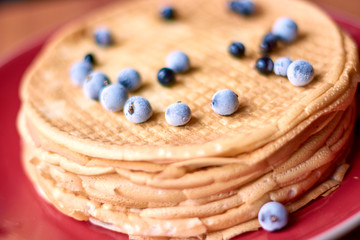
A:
(209, 178)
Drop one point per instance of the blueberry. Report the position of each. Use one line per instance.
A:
(237, 49)
(244, 7)
(225, 102)
(281, 66)
(130, 79)
(178, 114)
(94, 84)
(103, 37)
(265, 47)
(113, 97)
(89, 58)
(264, 65)
(178, 62)
(166, 77)
(137, 109)
(273, 216)
(268, 43)
(79, 72)
(285, 29)
(167, 12)
(300, 73)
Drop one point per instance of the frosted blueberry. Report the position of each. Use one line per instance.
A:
(300, 73)
(281, 66)
(137, 109)
(79, 72)
(94, 84)
(273, 216)
(285, 29)
(103, 37)
(178, 114)
(130, 79)
(225, 102)
(178, 61)
(113, 97)
(244, 7)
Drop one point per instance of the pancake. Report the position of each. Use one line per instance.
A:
(210, 177)
(64, 115)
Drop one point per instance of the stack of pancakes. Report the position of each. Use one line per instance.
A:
(209, 178)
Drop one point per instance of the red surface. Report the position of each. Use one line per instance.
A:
(24, 215)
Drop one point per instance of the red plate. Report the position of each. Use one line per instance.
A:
(24, 215)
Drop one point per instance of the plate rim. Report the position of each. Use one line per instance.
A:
(340, 229)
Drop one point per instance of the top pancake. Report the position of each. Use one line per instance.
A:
(270, 105)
